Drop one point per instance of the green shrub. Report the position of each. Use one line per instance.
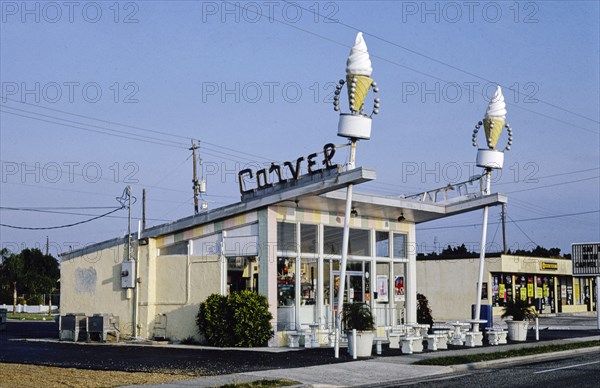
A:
(35, 300)
(213, 322)
(357, 316)
(241, 319)
(423, 311)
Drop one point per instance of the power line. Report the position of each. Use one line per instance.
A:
(522, 231)
(553, 185)
(436, 60)
(165, 133)
(62, 226)
(550, 176)
(34, 208)
(523, 220)
(80, 214)
(271, 18)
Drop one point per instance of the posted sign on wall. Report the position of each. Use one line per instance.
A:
(586, 259)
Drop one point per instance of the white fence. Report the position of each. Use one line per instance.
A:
(23, 308)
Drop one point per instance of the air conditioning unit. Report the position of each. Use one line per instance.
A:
(71, 326)
(99, 325)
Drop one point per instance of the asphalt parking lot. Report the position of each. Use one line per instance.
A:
(29, 342)
(24, 342)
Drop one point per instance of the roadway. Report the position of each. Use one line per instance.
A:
(580, 370)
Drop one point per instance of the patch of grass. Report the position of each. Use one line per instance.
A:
(30, 317)
(471, 358)
(262, 384)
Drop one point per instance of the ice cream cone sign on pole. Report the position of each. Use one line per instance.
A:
(490, 158)
(357, 124)
(493, 124)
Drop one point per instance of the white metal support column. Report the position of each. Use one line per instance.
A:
(297, 279)
(223, 263)
(345, 239)
(411, 275)
(488, 179)
(320, 275)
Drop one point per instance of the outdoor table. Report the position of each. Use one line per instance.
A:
(314, 337)
(457, 338)
(477, 322)
(419, 329)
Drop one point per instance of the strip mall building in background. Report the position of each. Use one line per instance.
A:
(547, 283)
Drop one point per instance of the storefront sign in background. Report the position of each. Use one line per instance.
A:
(549, 265)
(586, 259)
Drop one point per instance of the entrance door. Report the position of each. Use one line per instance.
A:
(354, 286)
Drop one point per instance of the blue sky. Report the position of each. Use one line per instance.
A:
(99, 95)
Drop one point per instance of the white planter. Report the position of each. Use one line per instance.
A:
(517, 330)
(364, 343)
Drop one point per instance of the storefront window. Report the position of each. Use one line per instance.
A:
(399, 246)
(382, 244)
(359, 242)
(179, 248)
(382, 283)
(285, 281)
(308, 278)
(308, 239)
(286, 237)
(396, 315)
(242, 273)
(332, 240)
(330, 267)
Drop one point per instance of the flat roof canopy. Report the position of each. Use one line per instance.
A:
(413, 210)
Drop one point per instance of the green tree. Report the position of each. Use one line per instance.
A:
(29, 271)
(11, 274)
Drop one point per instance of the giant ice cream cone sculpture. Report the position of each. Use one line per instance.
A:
(495, 116)
(493, 123)
(358, 76)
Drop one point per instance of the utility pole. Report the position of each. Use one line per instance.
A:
(143, 209)
(47, 245)
(195, 178)
(128, 189)
(504, 228)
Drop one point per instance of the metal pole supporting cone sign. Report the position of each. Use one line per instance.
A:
(354, 126)
(489, 158)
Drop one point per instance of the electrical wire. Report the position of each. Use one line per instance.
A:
(522, 231)
(165, 133)
(62, 226)
(83, 214)
(522, 220)
(553, 185)
(117, 134)
(271, 18)
(436, 60)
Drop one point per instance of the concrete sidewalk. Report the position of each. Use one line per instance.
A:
(381, 370)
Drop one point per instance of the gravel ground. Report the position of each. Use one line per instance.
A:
(19, 375)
